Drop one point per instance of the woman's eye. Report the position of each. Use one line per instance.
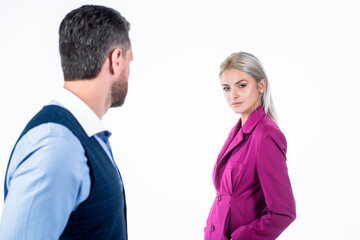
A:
(226, 88)
(242, 85)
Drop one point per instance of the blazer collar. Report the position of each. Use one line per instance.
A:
(236, 135)
(253, 119)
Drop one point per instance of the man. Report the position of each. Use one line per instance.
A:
(62, 181)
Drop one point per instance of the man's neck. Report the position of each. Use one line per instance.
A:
(90, 93)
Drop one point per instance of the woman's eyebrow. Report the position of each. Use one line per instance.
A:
(243, 80)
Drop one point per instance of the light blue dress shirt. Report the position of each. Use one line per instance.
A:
(46, 188)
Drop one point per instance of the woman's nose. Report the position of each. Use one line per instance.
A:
(234, 94)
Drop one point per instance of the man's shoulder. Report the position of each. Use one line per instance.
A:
(47, 135)
(48, 130)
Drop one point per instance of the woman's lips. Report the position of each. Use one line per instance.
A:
(236, 104)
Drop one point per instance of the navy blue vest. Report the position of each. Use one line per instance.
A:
(103, 214)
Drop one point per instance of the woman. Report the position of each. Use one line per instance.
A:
(254, 198)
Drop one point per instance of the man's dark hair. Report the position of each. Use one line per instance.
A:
(86, 36)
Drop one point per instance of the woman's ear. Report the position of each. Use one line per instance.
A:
(262, 85)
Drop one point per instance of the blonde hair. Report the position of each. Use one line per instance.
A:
(248, 63)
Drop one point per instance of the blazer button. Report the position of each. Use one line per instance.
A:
(219, 198)
(212, 228)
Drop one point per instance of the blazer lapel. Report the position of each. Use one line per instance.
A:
(236, 136)
(239, 131)
(229, 140)
(236, 141)
(229, 145)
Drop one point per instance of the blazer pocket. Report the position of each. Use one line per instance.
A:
(234, 173)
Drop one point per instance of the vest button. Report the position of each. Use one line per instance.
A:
(219, 198)
(212, 228)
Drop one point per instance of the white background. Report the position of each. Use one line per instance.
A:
(169, 132)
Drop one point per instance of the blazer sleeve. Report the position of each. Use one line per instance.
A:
(275, 183)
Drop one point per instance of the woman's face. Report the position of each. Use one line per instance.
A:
(242, 92)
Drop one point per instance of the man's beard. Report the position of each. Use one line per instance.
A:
(118, 92)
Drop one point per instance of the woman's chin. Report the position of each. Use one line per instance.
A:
(236, 110)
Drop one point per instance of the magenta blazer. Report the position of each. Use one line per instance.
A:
(254, 198)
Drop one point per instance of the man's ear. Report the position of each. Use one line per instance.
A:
(262, 85)
(115, 60)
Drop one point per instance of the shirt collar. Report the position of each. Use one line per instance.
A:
(87, 118)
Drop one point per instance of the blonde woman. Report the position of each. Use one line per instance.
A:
(254, 198)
